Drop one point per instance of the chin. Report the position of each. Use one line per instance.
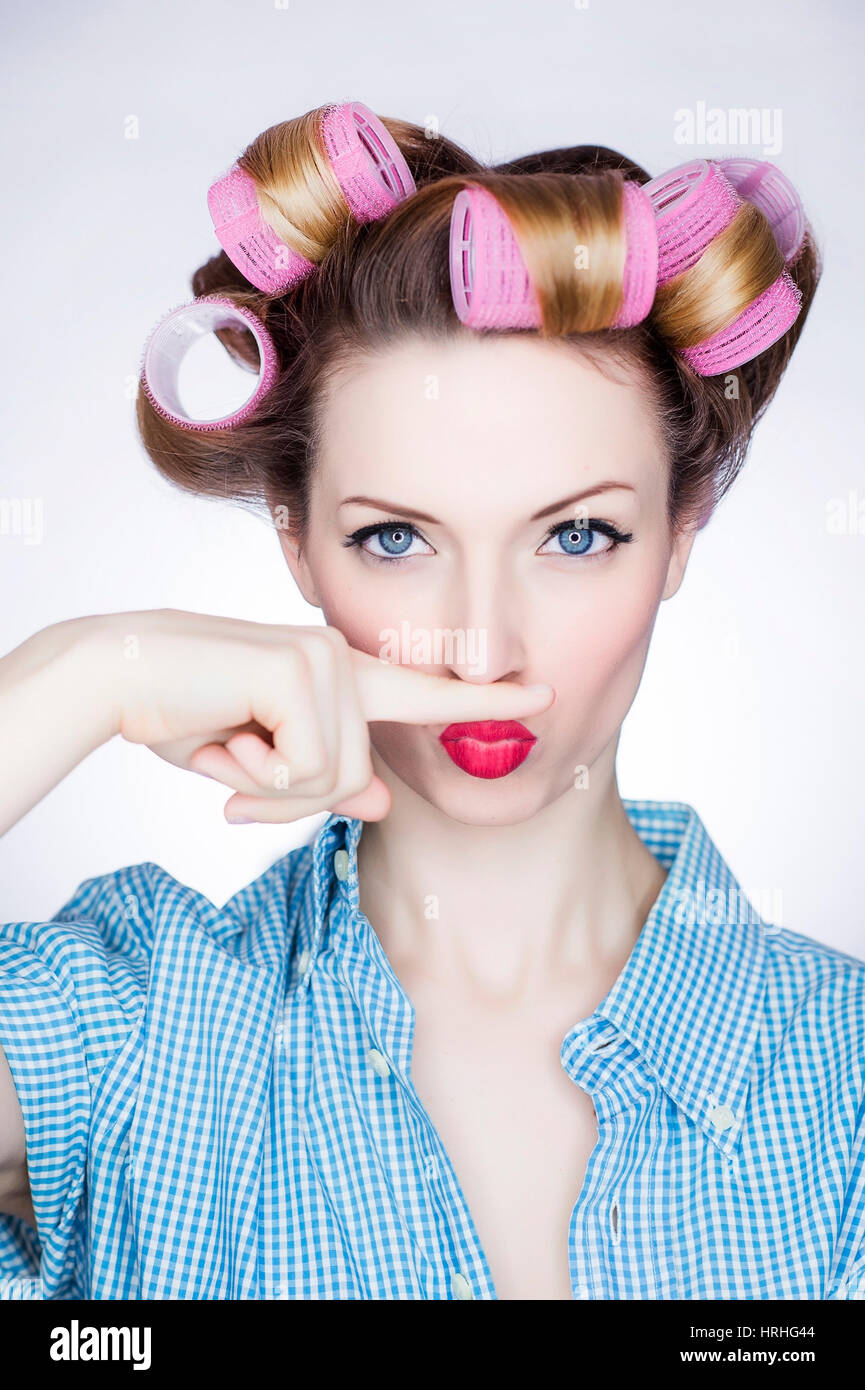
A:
(508, 800)
(485, 805)
(498, 817)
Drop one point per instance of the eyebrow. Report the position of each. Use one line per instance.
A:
(538, 516)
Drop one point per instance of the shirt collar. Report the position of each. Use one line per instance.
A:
(689, 997)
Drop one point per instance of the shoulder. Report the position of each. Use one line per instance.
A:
(802, 971)
(82, 974)
(814, 1008)
(119, 961)
(110, 927)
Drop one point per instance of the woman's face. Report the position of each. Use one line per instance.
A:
(467, 453)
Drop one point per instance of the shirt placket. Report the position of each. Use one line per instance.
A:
(456, 1264)
(599, 1059)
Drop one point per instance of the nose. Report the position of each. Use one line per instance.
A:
(489, 638)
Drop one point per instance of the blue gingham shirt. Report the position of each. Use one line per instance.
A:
(218, 1101)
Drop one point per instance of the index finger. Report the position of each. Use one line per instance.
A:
(387, 690)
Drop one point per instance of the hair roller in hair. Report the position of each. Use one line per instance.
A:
(173, 337)
(490, 284)
(369, 168)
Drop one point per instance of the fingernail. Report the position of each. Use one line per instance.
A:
(239, 820)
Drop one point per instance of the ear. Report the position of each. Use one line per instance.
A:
(297, 564)
(682, 542)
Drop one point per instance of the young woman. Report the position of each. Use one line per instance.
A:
(495, 1033)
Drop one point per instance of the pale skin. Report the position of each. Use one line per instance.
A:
(506, 906)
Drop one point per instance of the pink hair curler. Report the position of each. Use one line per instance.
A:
(368, 163)
(692, 204)
(757, 327)
(640, 277)
(248, 241)
(763, 184)
(669, 223)
(369, 168)
(490, 285)
(696, 201)
(170, 341)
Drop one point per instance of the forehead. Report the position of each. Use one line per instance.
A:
(464, 411)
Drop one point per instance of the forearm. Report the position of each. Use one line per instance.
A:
(54, 710)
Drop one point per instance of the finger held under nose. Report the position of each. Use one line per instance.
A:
(392, 692)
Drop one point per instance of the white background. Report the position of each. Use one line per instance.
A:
(751, 704)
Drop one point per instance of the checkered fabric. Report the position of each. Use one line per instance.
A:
(218, 1100)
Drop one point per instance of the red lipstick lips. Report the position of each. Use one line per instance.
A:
(487, 747)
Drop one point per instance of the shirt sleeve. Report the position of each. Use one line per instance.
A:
(71, 990)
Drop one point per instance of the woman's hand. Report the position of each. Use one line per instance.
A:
(277, 713)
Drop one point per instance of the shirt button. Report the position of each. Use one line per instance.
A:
(580, 1291)
(340, 864)
(722, 1117)
(460, 1286)
(303, 961)
(378, 1062)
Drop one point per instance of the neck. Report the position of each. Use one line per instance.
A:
(506, 911)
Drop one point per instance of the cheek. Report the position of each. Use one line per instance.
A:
(594, 650)
(369, 607)
(349, 607)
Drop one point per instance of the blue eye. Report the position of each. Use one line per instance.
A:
(394, 538)
(578, 538)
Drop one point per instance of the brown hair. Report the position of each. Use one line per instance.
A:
(385, 281)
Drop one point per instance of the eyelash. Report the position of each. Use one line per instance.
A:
(604, 528)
